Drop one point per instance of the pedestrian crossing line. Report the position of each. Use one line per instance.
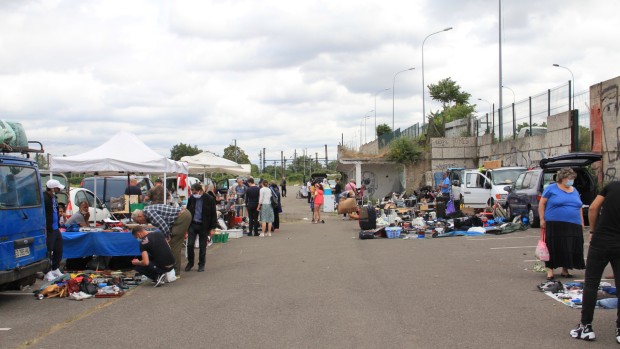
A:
(5, 329)
(505, 248)
(506, 238)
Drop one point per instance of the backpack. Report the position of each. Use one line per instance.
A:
(274, 199)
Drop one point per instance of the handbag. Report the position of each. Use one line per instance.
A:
(542, 252)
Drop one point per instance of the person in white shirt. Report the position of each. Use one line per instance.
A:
(265, 209)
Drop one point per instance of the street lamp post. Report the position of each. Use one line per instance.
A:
(366, 117)
(513, 93)
(573, 76)
(376, 93)
(423, 86)
(490, 111)
(393, 86)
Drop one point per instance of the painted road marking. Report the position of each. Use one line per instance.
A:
(503, 248)
(506, 238)
(4, 329)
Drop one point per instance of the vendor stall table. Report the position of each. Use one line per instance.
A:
(85, 244)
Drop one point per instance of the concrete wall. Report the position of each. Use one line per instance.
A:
(605, 126)
(528, 151)
(453, 152)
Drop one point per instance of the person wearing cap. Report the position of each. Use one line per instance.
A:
(172, 221)
(52, 233)
(204, 222)
(156, 194)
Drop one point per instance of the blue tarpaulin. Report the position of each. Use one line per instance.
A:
(85, 244)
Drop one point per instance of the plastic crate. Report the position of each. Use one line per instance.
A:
(234, 233)
(393, 232)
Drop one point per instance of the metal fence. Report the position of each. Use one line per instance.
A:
(533, 111)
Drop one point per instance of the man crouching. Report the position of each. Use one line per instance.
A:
(157, 257)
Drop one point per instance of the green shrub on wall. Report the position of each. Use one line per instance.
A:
(405, 150)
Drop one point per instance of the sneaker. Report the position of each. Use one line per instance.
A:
(584, 332)
(75, 296)
(160, 280)
(261, 235)
(209, 242)
(84, 295)
(269, 234)
(49, 276)
(618, 335)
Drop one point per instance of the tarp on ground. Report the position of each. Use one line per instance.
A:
(124, 153)
(207, 162)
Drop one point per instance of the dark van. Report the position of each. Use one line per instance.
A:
(23, 251)
(525, 194)
(114, 187)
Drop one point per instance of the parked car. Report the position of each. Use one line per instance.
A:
(525, 194)
(114, 187)
(536, 130)
(481, 188)
(77, 195)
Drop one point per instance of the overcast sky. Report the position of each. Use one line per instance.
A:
(282, 75)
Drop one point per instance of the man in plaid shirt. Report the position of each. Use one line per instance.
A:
(172, 221)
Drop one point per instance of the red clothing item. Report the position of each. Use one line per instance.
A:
(318, 197)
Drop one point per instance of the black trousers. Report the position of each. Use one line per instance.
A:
(283, 190)
(253, 220)
(54, 249)
(598, 257)
(152, 271)
(196, 229)
(276, 220)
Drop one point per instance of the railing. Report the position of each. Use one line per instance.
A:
(533, 110)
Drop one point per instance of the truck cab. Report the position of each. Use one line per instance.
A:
(23, 250)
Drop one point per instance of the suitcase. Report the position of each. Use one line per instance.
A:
(368, 218)
(367, 234)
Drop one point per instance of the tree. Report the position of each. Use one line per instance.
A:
(448, 93)
(455, 106)
(405, 150)
(41, 161)
(383, 129)
(180, 150)
(236, 154)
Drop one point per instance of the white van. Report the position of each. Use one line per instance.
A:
(481, 188)
(180, 193)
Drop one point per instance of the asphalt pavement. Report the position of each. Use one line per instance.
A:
(319, 286)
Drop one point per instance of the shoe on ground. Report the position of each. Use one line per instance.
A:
(584, 332)
(618, 335)
(269, 234)
(75, 296)
(160, 280)
(85, 295)
(201, 269)
(49, 276)
(261, 235)
(188, 267)
(209, 242)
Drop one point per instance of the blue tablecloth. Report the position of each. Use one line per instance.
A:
(85, 244)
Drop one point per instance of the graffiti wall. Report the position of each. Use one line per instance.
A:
(605, 128)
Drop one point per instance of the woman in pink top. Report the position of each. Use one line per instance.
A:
(318, 202)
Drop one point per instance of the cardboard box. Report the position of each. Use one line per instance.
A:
(470, 211)
(492, 164)
(423, 207)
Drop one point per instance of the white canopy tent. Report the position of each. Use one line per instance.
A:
(124, 153)
(207, 162)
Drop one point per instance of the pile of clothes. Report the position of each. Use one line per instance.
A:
(571, 293)
(89, 284)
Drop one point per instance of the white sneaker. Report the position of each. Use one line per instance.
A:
(49, 276)
(209, 242)
(269, 234)
(84, 295)
(75, 296)
(57, 273)
(261, 235)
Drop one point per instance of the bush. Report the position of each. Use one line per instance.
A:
(405, 150)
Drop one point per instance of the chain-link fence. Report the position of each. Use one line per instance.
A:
(532, 111)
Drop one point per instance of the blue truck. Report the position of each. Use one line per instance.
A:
(23, 250)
